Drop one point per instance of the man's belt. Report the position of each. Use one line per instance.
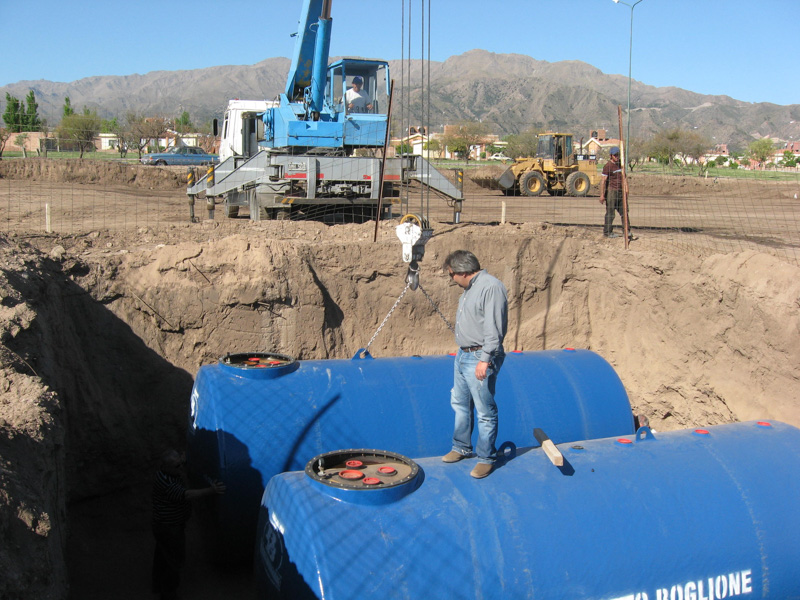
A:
(470, 348)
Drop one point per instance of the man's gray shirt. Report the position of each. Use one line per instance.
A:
(482, 318)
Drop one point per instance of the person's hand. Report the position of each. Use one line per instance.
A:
(480, 370)
(602, 200)
(218, 487)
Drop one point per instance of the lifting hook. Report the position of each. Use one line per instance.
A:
(414, 232)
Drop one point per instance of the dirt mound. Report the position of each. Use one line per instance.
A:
(108, 173)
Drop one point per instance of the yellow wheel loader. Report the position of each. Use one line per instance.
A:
(556, 168)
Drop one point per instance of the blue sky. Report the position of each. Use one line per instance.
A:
(744, 49)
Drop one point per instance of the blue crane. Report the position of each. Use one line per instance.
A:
(314, 111)
(298, 157)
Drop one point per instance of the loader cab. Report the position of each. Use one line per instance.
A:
(556, 147)
(375, 75)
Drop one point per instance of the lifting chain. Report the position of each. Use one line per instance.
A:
(436, 308)
(374, 335)
(391, 310)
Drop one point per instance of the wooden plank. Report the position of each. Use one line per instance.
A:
(549, 447)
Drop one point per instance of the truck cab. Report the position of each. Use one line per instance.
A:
(242, 127)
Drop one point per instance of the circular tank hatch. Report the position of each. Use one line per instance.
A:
(263, 365)
(363, 475)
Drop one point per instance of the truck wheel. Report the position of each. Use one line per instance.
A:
(578, 184)
(161, 163)
(532, 184)
(231, 211)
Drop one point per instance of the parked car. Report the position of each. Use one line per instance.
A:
(499, 156)
(181, 155)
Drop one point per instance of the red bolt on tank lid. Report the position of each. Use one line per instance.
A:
(569, 349)
(516, 352)
(764, 424)
(702, 432)
(371, 481)
(354, 464)
(386, 470)
(350, 474)
(624, 441)
(451, 353)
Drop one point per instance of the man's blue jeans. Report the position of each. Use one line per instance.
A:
(469, 393)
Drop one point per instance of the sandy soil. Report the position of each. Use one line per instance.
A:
(102, 331)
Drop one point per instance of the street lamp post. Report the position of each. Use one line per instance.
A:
(630, 62)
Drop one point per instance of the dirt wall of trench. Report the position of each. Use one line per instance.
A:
(102, 334)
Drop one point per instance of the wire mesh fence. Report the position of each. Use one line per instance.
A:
(757, 210)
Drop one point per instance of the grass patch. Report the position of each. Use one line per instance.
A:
(721, 172)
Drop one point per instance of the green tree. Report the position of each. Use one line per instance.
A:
(109, 125)
(14, 113)
(461, 137)
(432, 145)
(665, 146)
(67, 110)
(522, 144)
(20, 141)
(80, 129)
(761, 150)
(184, 123)
(31, 120)
(789, 159)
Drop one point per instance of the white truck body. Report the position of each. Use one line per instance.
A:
(234, 140)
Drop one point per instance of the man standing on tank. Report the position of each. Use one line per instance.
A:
(481, 325)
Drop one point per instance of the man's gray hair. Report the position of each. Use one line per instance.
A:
(463, 262)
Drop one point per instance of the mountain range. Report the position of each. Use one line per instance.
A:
(508, 92)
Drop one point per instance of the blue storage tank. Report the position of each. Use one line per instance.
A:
(684, 515)
(255, 415)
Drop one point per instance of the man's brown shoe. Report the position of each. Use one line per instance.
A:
(481, 470)
(454, 456)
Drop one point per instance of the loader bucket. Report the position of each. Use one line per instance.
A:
(485, 181)
(507, 179)
(486, 177)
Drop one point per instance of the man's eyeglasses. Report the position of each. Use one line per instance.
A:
(451, 274)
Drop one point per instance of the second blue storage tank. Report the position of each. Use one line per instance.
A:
(705, 514)
(256, 415)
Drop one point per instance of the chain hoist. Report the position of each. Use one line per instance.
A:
(413, 232)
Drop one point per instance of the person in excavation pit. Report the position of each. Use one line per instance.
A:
(171, 510)
(481, 325)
